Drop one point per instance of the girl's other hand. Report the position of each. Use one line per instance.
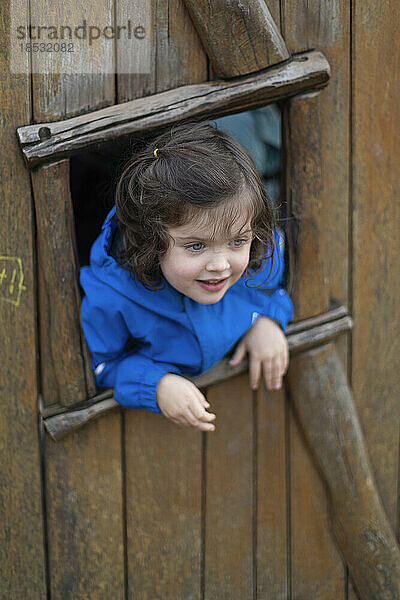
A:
(268, 349)
(182, 402)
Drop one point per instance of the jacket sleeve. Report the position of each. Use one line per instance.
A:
(133, 376)
(277, 303)
(279, 307)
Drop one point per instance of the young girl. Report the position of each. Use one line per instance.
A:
(187, 263)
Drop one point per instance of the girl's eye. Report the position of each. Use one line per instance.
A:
(238, 243)
(195, 247)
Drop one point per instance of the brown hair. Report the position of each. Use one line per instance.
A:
(198, 171)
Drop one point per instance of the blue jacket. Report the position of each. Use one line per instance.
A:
(136, 335)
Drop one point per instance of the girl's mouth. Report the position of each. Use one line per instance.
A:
(212, 285)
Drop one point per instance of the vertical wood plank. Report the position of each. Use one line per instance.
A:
(22, 547)
(326, 157)
(135, 70)
(176, 54)
(163, 496)
(84, 499)
(229, 528)
(308, 214)
(62, 362)
(376, 240)
(272, 499)
(180, 57)
(309, 541)
(164, 532)
(83, 472)
(317, 570)
(318, 127)
(67, 83)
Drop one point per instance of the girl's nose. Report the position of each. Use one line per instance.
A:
(218, 262)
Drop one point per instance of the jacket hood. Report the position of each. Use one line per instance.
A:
(106, 267)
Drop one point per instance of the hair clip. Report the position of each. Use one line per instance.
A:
(141, 197)
(155, 153)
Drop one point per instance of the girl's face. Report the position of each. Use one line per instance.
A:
(204, 268)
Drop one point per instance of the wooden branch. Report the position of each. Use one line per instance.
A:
(326, 413)
(48, 142)
(64, 423)
(326, 317)
(66, 378)
(61, 424)
(239, 37)
(58, 409)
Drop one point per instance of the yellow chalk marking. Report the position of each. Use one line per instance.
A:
(11, 271)
(12, 281)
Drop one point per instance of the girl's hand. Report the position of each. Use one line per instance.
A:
(268, 348)
(181, 401)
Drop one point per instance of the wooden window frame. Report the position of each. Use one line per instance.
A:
(69, 397)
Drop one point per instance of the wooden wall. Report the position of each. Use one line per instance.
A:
(320, 126)
(22, 518)
(241, 513)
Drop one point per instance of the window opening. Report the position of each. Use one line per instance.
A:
(94, 174)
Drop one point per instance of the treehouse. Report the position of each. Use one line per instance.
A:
(295, 495)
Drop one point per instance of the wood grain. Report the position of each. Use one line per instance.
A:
(325, 409)
(67, 83)
(307, 213)
(84, 492)
(239, 37)
(22, 544)
(83, 475)
(180, 54)
(318, 129)
(163, 507)
(84, 499)
(316, 567)
(272, 495)
(275, 10)
(63, 373)
(325, 153)
(175, 52)
(52, 141)
(135, 73)
(230, 489)
(376, 242)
